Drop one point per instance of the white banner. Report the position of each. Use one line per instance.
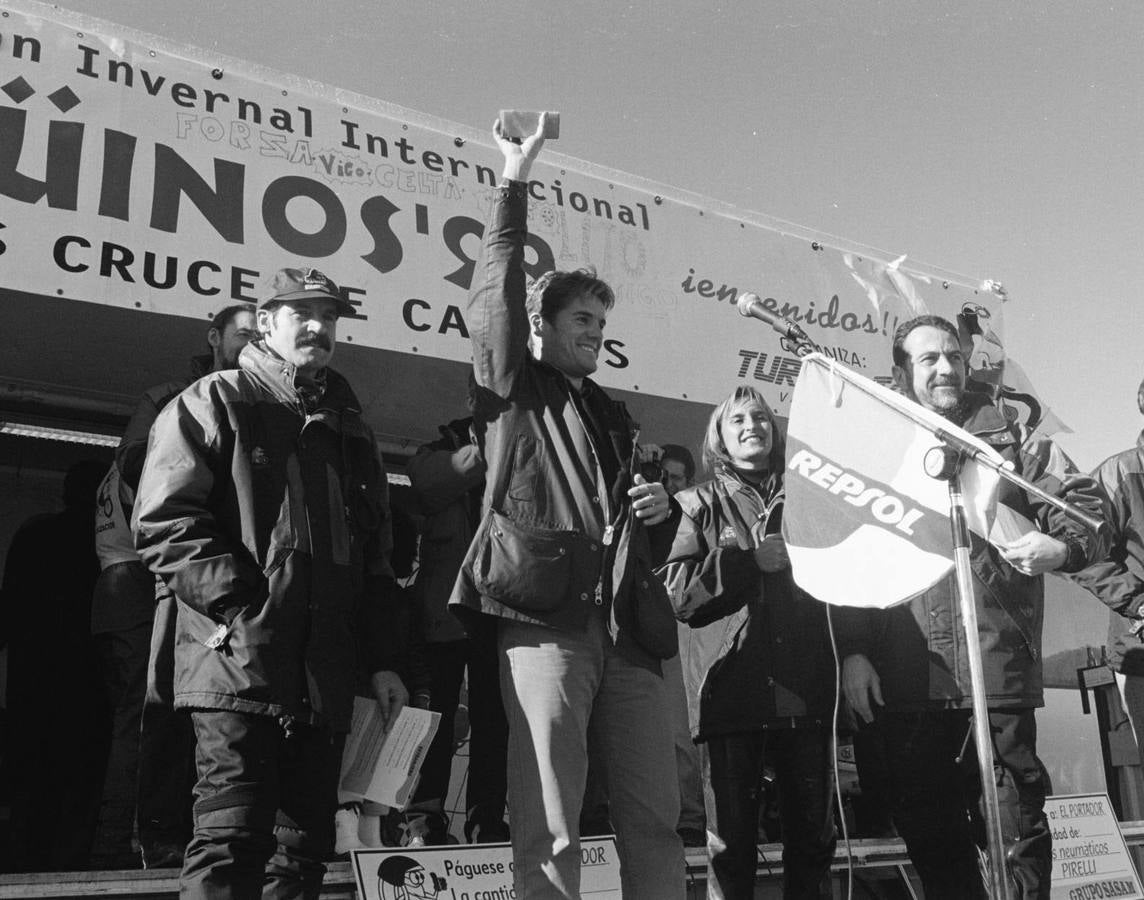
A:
(143, 174)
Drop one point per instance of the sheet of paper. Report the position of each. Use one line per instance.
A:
(382, 765)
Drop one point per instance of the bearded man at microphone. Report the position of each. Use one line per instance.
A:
(562, 561)
(905, 669)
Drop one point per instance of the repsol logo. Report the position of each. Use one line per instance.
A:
(886, 508)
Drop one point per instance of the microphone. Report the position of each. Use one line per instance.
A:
(750, 306)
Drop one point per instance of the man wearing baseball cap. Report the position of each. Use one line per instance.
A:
(263, 507)
(303, 284)
(299, 321)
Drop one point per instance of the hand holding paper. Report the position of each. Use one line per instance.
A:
(390, 693)
(383, 764)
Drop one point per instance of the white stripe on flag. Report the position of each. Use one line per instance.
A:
(866, 580)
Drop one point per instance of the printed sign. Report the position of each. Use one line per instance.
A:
(471, 872)
(143, 174)
(1090, 858)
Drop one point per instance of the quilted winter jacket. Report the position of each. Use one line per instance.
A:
(757, 654)
(918, 648)
(553, 543)
(272, 520)
(132, 449)
(1118, 579)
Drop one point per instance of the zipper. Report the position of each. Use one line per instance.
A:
(598, 468)
(609, 535)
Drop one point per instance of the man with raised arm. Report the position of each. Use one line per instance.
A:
(906, 669)
(562, 560)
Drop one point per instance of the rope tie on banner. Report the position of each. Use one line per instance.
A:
(837, 385)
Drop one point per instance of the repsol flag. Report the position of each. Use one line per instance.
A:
(864, 524)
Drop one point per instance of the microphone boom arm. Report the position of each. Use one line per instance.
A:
(750, 306)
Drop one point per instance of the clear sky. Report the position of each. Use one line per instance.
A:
(999, 140)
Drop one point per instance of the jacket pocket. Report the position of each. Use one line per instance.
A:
(533, 569)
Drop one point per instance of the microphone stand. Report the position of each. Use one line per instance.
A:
(945, 462)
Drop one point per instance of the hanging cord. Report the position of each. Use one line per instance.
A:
(834, 755)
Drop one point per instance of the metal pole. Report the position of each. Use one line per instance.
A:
(999, 884)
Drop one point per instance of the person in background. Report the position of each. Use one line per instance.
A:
(152, 788)
(673, 466)
(678, 468)
(58, 720)
(360, 823)
(678, 473)
(1118, 579)
(448, 480)
(757, 664)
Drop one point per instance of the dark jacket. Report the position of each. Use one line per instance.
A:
(758, 654)
(1118, 579)
(132, 449)
(272, 519)
(116, 610)
(447, 477)
(918, 648)
(556, 541)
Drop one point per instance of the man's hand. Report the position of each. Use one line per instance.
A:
(518, 157)
(860, 685)
(771, 555)
(649, 501)
(390, 693)
(1035, 553)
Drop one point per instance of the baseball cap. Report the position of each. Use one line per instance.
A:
(305, 284)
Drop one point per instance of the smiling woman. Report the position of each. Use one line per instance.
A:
(757, 662)
(738, 429)
(747, 427)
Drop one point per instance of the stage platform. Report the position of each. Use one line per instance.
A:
(163, 884)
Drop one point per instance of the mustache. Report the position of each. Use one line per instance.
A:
(320, 341)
